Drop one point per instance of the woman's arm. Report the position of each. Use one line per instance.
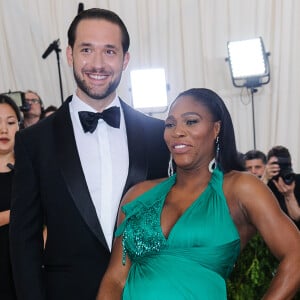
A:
(278, 231)
(113, 282)
(4, 217)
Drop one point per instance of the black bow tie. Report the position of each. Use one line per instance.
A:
(89, 120)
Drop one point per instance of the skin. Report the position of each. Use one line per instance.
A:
(8, 128)
(33, 115)
(255, 166)
(98, 61)
(190, 136)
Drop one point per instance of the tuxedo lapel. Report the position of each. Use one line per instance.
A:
(138, 163)
(69, 162)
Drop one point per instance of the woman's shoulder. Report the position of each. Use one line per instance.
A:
(140, 188)
(241, 180)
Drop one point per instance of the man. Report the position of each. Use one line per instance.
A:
(70, 175)
(34, 108)
(255, 162)
(283, 182)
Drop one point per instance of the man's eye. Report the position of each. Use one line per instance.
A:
(110, 52)
(86, 50)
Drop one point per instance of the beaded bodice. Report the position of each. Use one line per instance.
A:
(142, 234)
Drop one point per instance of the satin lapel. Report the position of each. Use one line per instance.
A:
(138, 163)
(68, 158)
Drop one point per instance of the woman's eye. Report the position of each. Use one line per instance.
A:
(11, 122)
(191, 122)
(169, 125)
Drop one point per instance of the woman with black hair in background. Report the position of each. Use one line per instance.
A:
(9, 124)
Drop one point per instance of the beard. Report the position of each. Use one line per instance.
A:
(82, 85)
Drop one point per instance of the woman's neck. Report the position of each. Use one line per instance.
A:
(193, 179)
(6, 159)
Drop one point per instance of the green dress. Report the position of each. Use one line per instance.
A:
(195, 259)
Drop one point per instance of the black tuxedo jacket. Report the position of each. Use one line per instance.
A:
(50, 188)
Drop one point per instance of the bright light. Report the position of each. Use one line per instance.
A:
(247, 58)
(149, 89)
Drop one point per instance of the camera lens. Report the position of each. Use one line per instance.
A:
(288, 178)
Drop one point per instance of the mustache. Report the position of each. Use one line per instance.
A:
(101, 70)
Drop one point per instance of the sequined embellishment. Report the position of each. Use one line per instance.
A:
(142, 235)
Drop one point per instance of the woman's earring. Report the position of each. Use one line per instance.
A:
(212, 165)
(170, 168)
(217, 147)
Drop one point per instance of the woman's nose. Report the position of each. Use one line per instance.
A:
(3, 128)
(178, 131)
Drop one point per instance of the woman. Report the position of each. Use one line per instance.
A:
(9, 125)
(179, 238)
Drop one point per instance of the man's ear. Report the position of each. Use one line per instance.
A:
(126, 60)
(69, 53)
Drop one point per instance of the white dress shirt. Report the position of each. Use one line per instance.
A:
(105, 161)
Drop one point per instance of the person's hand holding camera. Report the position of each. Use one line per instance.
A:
(272, 169)
(285, 183)
(287, 190)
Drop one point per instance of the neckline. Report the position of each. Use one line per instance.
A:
(164, 196)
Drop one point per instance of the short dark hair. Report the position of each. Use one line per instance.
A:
(4, 99)
(99, 13)
(35, 93)
(255, 154)
(279, 151)
(228, 158)
(50, 108)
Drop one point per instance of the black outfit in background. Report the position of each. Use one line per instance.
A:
(50, 188)
(280, 197)
(7, 290)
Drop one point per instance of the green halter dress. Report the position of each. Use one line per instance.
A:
(194, 260)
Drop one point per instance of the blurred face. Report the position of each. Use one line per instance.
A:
(98, 60)
(190, 134)
(255, 166)
(35, 104)
(8, 128)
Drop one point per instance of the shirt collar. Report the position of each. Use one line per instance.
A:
(78, 105)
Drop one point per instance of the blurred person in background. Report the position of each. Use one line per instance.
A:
(48, 111)
(9, 124)
(35, 108)
(284, 182)
(255, 162)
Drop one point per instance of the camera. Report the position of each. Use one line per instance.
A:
(19, 98)
(286, 172)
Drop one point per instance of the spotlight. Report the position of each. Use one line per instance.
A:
(149, 90)
(249, 67)
(249, 64)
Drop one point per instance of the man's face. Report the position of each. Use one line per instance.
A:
(98, 60)
(35, 104)
(255, 166)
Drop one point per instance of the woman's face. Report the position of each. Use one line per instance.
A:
(8, 127)
(190, 133)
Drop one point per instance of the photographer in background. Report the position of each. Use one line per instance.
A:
(283, 182)
(34, 109)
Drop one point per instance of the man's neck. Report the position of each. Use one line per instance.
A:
(30, 121)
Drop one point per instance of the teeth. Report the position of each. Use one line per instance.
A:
(179, 146)
(96, 76)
